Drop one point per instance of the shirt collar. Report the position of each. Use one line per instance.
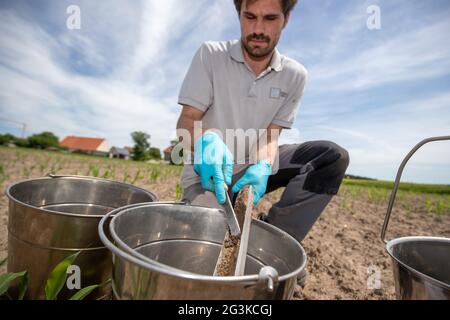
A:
(237, 55)
(275, 64)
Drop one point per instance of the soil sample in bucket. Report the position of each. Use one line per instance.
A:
(226, 263)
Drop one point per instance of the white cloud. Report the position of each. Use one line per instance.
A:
(291, 136)
(39, 86)
(379, 139)
(418, 54)
(122, 70)
(350, 96)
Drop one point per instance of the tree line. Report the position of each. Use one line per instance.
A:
(142, 150)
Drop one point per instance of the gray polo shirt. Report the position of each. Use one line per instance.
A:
(221, 84)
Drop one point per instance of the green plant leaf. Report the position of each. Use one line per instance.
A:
(82, 293)
(23, 286)
(5, 280)
(58, 276)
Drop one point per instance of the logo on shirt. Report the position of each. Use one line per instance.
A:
(277, 93)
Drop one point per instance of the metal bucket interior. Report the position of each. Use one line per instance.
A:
(190, 238)
(183, 243)
(77, 195)
(87, 209)
(422, 267)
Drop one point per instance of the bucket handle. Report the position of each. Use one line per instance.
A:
(269, 276)
(397, 180)
(56, 176)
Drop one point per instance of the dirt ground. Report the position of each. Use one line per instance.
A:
(343, 247)
(345, 253)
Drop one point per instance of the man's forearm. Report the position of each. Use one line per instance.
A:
(268, 146)
(187, 133)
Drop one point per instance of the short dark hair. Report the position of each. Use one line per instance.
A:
(287, 5)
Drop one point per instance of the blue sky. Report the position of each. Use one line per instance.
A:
(375, 92)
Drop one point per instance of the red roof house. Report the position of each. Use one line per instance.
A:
(85, 145)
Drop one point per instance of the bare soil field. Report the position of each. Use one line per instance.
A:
(343, 248)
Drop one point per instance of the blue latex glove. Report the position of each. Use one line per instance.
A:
(256, 176)
(213, 162)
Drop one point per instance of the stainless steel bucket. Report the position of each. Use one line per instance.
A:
(169, 251)
(421, 264)
(51, 218)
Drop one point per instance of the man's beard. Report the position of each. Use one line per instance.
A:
(258, 52)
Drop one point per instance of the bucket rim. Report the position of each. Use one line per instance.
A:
(179, 273)
(391, 243)
(8, 194)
